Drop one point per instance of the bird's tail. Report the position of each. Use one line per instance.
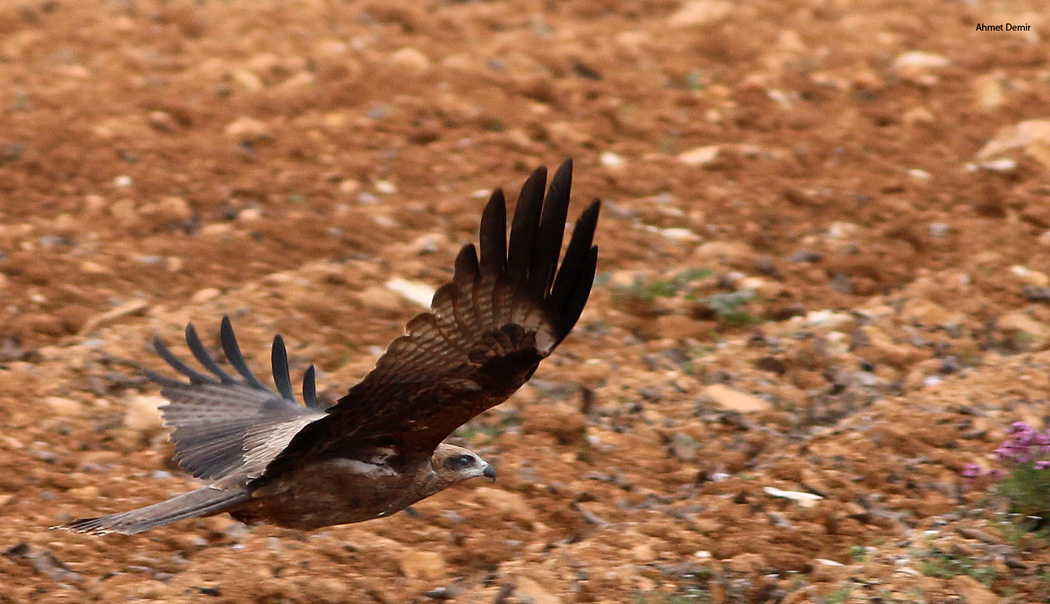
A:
(201, 502)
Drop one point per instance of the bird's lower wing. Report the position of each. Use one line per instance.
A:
(227, 425)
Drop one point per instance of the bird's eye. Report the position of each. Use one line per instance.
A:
(461, 461)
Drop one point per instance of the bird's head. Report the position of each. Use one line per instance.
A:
(455, 464)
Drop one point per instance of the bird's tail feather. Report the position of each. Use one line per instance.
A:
(188, 505)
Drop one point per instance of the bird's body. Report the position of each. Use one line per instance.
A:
(380, 448)
(341, 490)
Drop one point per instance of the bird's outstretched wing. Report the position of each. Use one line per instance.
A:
(487, 331)
(229, 425)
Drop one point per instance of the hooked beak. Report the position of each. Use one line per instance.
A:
(489, 472)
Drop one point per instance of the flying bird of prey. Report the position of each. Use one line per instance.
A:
(380, 448)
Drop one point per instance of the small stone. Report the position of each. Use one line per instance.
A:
(1029, 277)
(939, 230)
(143, 412)
(700, 12)
(428, 566)
(561, 421)
(511, 505)
(381, 298)
(700, 156)
(411, 61)
(413, 291)
(134, 307)
(303, 79)
(65, 407)
(988, 91)
(972, 590)
(747, 564)
(1024, 330)
(527, 590)
(205, 295)
(611, 160)
(827, 571)
(734, 400)
(247, 79)
(349, 186)
(168, 208)
(919, 67)
(248, 130)
(1031, 136)
(249, 215)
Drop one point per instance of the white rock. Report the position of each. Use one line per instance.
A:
(700, 12)
(143, 412)
(64, 406)
(734, 400)
(918, 59)
(1025, 135)
(413, 291)
(700, 156)
(205, 295)
(611, 160)
(803, 498)
(411, 61)
(246, 129)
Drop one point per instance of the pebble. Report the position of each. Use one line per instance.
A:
(700, 12)
(64, 406)
(734, 400)
(207, 294)
(248, 130)
(413, 291)
(527, 590)
(509, 504)
(1028, 135)
(428, 566)
(700, 156)
(611, 160)
(143, 412)
(411, 61)
(972, 590)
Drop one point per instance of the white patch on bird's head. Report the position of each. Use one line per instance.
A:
(455, 464)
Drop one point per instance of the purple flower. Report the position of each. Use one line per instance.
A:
(1042, 464)
(1019, 427)
(971, 470)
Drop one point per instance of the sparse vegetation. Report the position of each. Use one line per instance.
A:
(944, 565)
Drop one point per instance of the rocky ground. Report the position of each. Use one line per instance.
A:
(824, 274)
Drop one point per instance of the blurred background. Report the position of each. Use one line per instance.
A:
(822, 289)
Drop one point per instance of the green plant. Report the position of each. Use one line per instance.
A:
(640, 291)
(944, 565)
(838, 595)
(728, 308)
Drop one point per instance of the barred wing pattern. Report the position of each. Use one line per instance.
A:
(231, 426)
(486, 333)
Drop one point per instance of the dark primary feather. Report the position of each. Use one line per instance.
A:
(231, 426)
(487, 331)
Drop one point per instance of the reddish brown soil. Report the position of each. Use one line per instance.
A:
(168, 161)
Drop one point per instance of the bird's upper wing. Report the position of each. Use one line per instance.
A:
(487, 331)
(229, 425)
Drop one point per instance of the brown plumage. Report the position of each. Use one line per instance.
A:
(380, 448)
